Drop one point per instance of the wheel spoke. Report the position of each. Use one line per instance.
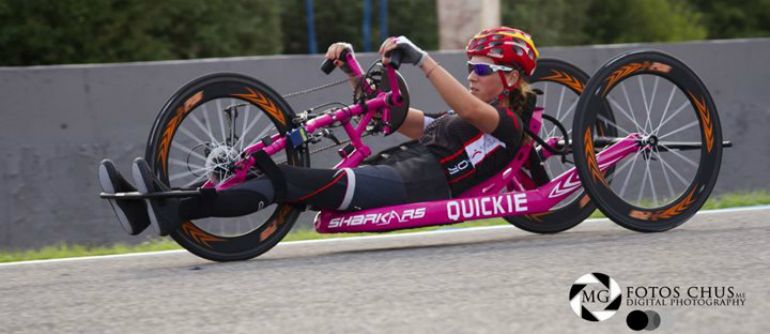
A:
(676, 112)
(665, 172)
(641, 189)
(251, 125)
(673, 171)
(189, 173)
(243, 128)
(221, 120)
(195, 181)
(652, 104)
(203, 128)
(607, 121)
(569, 110)
(189, 133)
(684, 127)
(185, 164)
(646, 105)
(630, 108)
(187, 150)
(209, 130)
(619, 169)
(652, 183)
(628, 176)
(259, 136)
(665, 110)
(680, 155)
(625, 113)
(561, 99)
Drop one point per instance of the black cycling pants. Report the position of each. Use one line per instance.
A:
(343, 189)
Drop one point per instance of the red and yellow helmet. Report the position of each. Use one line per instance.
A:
(506, 46)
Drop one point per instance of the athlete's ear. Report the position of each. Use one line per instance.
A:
(512, 76)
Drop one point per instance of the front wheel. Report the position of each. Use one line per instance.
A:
(664, 104)
(199, 133)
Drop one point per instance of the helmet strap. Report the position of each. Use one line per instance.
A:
(502, 97)
(506, 86)
(507, 89)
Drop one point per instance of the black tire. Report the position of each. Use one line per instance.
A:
(199, 142)
(576, 208)
(683, 162)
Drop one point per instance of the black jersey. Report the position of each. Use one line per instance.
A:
(468, 155)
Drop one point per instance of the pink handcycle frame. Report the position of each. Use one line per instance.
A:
(485, 200)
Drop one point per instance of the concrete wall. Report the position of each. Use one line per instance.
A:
(59, 121)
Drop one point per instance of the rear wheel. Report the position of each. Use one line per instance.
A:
(561, 84)
(659, 99)
(201, 130)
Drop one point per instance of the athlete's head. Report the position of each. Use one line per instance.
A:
(500, 61)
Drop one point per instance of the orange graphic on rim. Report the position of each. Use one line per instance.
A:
(627, 70)
(266, 104)
(279, 220)
(584, 201)
(198, 235)
(537, 216)
(172, 124)
(566, 79)
(705, 120)
(674, 210)
(591, 157)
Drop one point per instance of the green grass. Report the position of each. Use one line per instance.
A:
(65, 250)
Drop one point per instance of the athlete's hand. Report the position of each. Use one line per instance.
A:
(412, 54)
(334, 53)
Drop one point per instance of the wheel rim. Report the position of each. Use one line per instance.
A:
(690, 117)
(207, 140)
(658, 120)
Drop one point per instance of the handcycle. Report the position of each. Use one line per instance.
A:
(190, 148)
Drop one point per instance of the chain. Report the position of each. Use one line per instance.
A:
(313, 89)
(321, 149)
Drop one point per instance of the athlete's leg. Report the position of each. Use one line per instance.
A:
(344, 189)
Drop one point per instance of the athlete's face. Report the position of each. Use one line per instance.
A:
(487, 87)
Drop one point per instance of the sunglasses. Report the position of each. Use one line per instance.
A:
(483, 69)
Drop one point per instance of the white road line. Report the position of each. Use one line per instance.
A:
(364, 238)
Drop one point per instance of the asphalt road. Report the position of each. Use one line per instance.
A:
(499, 280)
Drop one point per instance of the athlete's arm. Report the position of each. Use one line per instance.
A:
(470, 108)
(333, 53)
(413, 124)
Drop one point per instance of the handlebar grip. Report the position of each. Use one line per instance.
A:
(328, 65)
(395, 58)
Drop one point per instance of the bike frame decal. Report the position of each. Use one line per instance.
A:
(705, 119)
(566, 79)
(472, 206)
(173, 123)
